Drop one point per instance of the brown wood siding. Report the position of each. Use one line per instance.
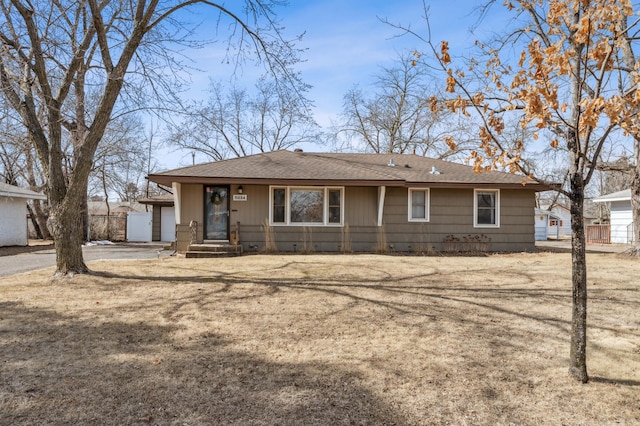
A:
(192, 206)
(318, 239)
(253, 211)
(451, 213)
(361, 206)
(360, 213)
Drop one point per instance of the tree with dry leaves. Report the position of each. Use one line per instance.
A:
(562, 85)
(55, 54)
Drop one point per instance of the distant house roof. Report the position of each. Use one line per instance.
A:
(586, 213)
(546, 213)
(12, 191)
(115, 207)
(286, 167)
(158, 200)
(624, 195)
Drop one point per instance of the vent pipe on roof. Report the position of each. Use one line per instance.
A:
(298, 150)
(434, 171)
(391, 163)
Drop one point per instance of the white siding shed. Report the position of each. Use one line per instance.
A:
(13, 211)
(621, 218)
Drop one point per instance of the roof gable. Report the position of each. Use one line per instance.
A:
(344, 169)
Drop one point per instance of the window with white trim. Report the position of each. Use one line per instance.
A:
(486, 208)
(418, 205)
(306, 206)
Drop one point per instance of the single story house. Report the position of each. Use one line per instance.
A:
(13, 210)
(298, 201)
(621, 216)
(559, 219)
(544, 220)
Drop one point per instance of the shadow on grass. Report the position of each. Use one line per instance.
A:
(437, 286)
(620, 382)
(423, 295)
(14, 250)
(61, 369)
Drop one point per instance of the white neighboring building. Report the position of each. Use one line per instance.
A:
(621, 217)
(13, 211)
(558, 221)
(543, 219)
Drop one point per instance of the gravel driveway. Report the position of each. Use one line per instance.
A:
(24, 262)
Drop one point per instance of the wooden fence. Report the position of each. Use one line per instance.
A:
(112, 228)
(598, 234)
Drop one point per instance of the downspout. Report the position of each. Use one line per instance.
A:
(381, 193)
(177, 201)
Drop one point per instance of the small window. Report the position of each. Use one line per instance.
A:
(486, 208)
(335, 215)
(278, 213)
(419, 205)
(555, 222)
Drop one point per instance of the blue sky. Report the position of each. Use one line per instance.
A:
(346, 43)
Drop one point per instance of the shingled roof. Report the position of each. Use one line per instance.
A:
(311, 168)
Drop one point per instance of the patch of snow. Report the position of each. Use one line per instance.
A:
(98, 243)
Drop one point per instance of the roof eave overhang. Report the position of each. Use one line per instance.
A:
(23, 196)
(168, 180)
(609, 200)
(163, 203)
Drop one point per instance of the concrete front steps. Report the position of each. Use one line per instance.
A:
(213, 250)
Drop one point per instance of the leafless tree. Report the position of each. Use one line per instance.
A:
(561, 84)
(19, 167)
(121, 160)
(236, 122)
(395, 114)
(54, 54)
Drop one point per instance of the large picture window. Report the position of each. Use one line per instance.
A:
(316, 206)
(418, 205)
(486, 206)
(307, 205)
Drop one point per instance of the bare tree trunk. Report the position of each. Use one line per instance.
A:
(41, 218)
(84, 207)
(67, 222)
(68, 237)
(38, 86)
(38, 212)
(34, 222)
(578, 350)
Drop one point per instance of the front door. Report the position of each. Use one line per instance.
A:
(216, 212)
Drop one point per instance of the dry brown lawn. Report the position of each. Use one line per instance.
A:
(319, 339)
